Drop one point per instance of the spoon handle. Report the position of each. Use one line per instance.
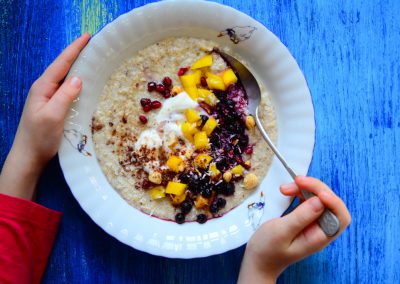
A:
(328, 222)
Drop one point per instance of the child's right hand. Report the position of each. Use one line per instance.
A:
(283, 241)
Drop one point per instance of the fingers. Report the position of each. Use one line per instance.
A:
(57, 70)
(291, 189)
(61, 102)
(305, 214)
(311, 240)
(328, 198)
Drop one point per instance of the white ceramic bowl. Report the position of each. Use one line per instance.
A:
(271, 63)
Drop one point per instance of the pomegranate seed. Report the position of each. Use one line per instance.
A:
(151, 86)
(143, 119)
(145, 102)
(146, 183)
(203, 81)
(249, 150)
(160, 88)
(155, 104)
(183, 70)
(147, 108)
(167, 81)
(167, 94)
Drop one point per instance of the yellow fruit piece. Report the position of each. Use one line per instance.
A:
(197, 76)
(201, 140)
(210, 125)
(250, 181)
(215, 173)
(237, 170)
(203, 93)
(188, 130)
(192, 115)
(175, 188)
(229, 77)
(192, 92)
(188, 80)
(201, 202)
(202, 160)
(204, 61)
(207, 96)
(157, 192)
(176, 164)
(178, 199)
(215, 82)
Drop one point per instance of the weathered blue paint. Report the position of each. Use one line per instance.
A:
(348, 51)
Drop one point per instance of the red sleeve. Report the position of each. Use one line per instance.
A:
(27, 233)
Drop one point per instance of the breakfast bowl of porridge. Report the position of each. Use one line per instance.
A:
(161, 150)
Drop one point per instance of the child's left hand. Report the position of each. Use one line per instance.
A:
(42, 122)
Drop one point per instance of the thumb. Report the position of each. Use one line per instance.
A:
(64, 97)
(306, 213)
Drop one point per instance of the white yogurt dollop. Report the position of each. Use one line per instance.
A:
(173, 108)
(148, 138)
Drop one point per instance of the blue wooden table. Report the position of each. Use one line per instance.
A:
(349, 53)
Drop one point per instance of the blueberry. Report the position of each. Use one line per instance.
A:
(214, 208)
(186, 206)
(185, 178)
(206, 193)
(180, 218)
(201, 218)
(221, 202)
(230, 189)
(204, 119)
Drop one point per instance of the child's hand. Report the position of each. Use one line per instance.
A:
(42, 122)
(283, 241)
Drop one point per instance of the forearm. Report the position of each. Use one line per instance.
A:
(20, 173)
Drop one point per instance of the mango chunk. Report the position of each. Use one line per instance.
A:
(215, 82)
(201, 140)
(237, 170)
(207, 96)
(188, 80)
(202, 160)
(229, 77)
(157, 192)
(215, 173)
(204, 61)
(176, 164)
(210, 125)
(192, 92)
(178, 199)
(201, 202)
(188, 130)
(175, 188)
(192, 115)
(197, 76)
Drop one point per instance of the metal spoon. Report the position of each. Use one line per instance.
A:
(328, 222)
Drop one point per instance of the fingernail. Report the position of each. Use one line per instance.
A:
(75, 82)
(316, 204)
(288, 186)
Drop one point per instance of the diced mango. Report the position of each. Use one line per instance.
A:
(201, 202)
(178, 199)
(202, 160)
(204, 61)
(157, 192)
(207, 96)
(210, 125)
(215, 82)
(237, 170)
(192, 92)
(192, 115)
(201, 140)
(188, 80)
(175, 188)
(197, 76)
(215, 173)
(229, 77)
(176, 164)
(188, 130)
